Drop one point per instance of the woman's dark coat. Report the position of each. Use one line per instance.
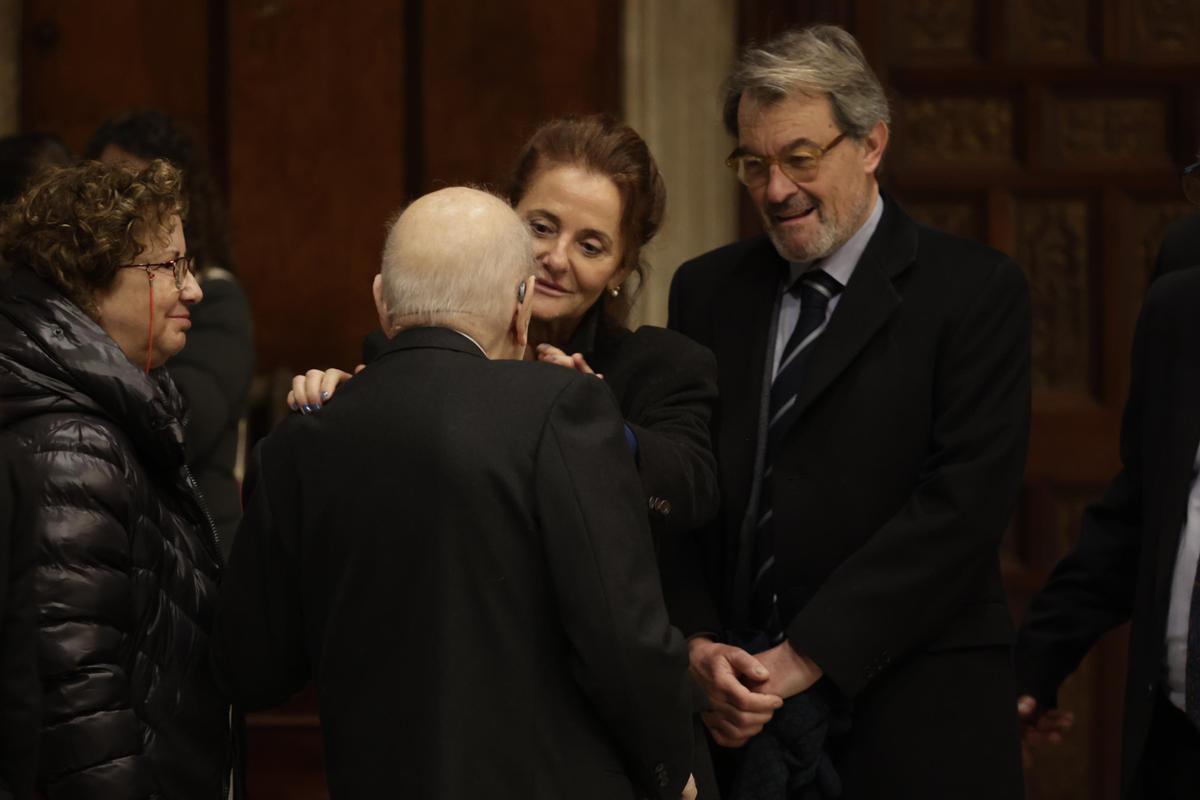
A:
(126, 561)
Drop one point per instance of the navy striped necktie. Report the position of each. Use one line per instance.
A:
(815, 289)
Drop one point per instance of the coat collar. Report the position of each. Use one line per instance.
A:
(63, 360)
(868, 301)
(742, 324)
(431, 338)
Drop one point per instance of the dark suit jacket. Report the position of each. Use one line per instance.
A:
(891, 493)
(457, 551)
(666, 387)
(1123, 564)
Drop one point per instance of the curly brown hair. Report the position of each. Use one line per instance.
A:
(75, 226)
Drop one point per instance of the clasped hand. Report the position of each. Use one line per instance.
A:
(744, 690)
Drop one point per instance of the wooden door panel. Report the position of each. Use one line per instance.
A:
(83, 62)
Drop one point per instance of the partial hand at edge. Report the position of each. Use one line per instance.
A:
(689, 791)
(731, 679)
(1039, 728)
(313, 388)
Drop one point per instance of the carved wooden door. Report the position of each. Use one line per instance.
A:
(1052, 130)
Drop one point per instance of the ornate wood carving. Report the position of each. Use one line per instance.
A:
(1049, 30)
(1124, 129)
(962, 218)
(940, 129)
(929, 29)
(1150, 221)
(1052, 246)
(1165, 30)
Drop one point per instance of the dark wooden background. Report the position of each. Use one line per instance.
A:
(1052, 131)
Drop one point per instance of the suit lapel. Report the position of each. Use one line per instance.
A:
(867, 303)
(741, 325)
(1185, 436)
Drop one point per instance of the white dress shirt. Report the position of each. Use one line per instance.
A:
(840, 265)
(1181, 596)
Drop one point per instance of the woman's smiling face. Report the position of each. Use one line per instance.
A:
(574, 217)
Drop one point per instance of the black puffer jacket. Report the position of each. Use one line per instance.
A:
(126, 562)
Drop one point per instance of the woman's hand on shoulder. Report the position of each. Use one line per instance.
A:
(312, 389)
(552, 355)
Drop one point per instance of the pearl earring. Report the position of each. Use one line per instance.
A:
(616, 290)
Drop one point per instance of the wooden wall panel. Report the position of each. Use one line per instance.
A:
(316, 149)
(493, 69)
(83, 62)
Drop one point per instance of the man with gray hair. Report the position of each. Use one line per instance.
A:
(874, 381)
(458, 553)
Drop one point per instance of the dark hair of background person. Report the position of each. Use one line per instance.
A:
(151, 134)
(606, 146)
(24, 155)
(75, 226)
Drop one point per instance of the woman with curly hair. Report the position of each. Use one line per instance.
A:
(96, 295)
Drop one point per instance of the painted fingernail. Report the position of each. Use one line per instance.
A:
(324, 395)
(308, 409)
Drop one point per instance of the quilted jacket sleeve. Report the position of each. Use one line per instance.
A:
(91, 738)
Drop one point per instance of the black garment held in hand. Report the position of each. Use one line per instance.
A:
(789, 760)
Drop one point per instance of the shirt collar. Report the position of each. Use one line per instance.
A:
(840, 263)
(472, 341)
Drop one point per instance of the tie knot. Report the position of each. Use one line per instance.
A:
(815, 287)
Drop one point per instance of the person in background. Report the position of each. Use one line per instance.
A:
(457, 552)
(1136, 559)
(96, 296)
(1181, 241)
(215, 369)
(23, 155)
(20, 692)
(871, 437)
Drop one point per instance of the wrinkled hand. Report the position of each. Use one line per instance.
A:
(791, 673)
(313, 388)
(689, 791)
(732, 680)
(1039, 728)
(552, 355)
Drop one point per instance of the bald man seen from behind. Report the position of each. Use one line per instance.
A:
(457, 552)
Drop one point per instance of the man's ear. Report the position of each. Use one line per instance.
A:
(385, 319)
(873, 147)
(523, 314)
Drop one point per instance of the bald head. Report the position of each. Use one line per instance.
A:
(455, 254)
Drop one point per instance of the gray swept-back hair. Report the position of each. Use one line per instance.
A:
(456, 252)
(819, 59)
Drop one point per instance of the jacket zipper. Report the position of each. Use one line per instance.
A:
(212, 525)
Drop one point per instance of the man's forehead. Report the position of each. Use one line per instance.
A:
(777, 122)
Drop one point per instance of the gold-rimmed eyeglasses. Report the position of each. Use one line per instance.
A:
(800, 164)
(180, 268)
(1191, 182)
